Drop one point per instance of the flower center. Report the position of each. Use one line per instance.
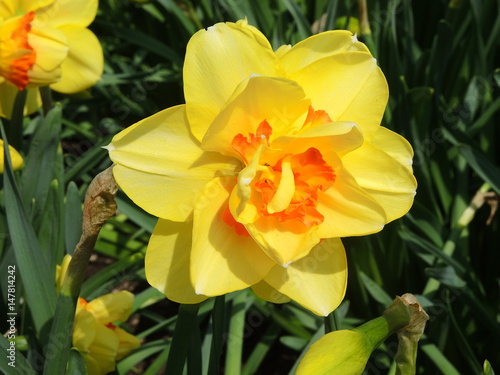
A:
(287, 189)
(16, 55)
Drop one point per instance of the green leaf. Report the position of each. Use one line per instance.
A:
(261, 349)
(41, 160)
(236, 333)
(481, 165)
(32, 267)
(144, 41)
(303, 26)
(76, 363)
(61, 335)
(15, 364)
(447, 276)
(172, 7)
(294, 343)
(181, 340)
(140, 354)
(437, 357)
(375, 290)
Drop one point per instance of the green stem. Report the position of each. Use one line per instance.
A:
(99, 206)
(47, 102)
(218, 333)
(186, 320)
(235, 338)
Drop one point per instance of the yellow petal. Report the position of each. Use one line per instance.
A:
(84, 65)
(128, 343)
(112, 307)
(239, 203)
(51, 46)
(217, 61)
(167, 261)
(317, 281)
(318, 46)
(221, 260)
(341, 137)
(9, 8)
(15, 158)
(279, 101)
(349, 86)
(394, 145)
(266, 292)
(84, 329)
(92, 365)
(389, 182)
(286, 188)
(340, 352)
(63, 12)
(161, 167)
(284, 242)
(104, 349)
(348, 209)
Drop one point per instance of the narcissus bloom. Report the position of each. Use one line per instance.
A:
(97, 338)
(46, 42)
(15, 157)
(275, 155)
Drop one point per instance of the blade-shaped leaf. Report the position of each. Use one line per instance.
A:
(37, 278)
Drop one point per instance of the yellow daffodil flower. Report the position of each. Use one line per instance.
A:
(97, 338)
(15, 157)
(100, 341)
(46, 42)
(274, 156)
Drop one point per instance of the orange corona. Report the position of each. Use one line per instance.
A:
(16, 55)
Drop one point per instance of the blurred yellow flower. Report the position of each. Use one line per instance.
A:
(94, 334)
(46, 42)
(275, 155)
(97, 338)
(15, 157)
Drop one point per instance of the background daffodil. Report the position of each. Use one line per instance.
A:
(16, 158)
(97, 338)
(275, 155)
(46, 43)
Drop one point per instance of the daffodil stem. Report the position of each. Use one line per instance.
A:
(217, 334)
(235, 337)
(15, 128)
(332, 322)
(47, 102)
(182, 339)
(99, 206)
